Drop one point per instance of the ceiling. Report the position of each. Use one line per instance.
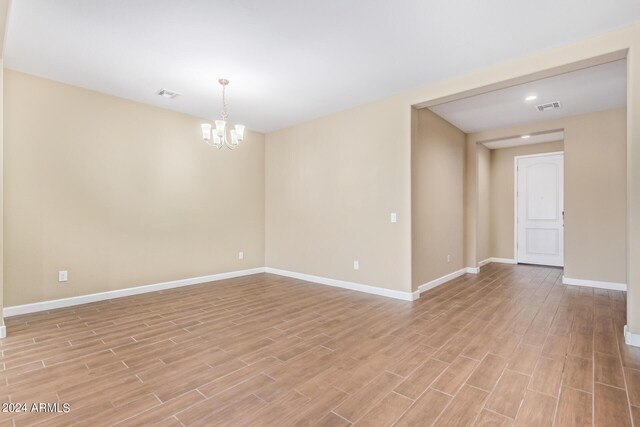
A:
(518, 140)
(288, 60)
(598, 88)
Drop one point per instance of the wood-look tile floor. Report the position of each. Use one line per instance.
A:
(510, 346)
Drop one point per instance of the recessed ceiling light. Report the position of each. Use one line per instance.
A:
(525, 136)
(531, 97)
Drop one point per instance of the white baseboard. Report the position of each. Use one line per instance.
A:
(439, 281)
(3, 331)
(485, 262)
(406, 296)
(472, 270)
(631, 339)
(504, 260)
(101, 296)
(595, 284)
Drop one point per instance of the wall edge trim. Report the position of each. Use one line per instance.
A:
(594, 284)
(441, 280)
(390, 293)
(504, 260)
(17, 310)
(631, 339)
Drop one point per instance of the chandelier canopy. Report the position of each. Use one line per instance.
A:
(218, 137)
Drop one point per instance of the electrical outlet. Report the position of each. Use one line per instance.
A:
(63, 276)
(448, 258)
(356, 265)
(240, 255)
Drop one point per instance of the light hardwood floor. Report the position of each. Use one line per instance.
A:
(510, 346)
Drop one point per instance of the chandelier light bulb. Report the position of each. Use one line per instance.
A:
(206, 132)
(220, 127)
(240, 131)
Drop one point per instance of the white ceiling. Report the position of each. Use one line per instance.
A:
(288, 60)
(518, 140)
(584, 91)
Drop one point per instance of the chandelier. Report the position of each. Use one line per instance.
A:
(218, 137)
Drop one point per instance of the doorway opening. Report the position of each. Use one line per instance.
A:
(567, 127)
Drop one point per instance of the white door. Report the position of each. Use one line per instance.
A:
(540, 210)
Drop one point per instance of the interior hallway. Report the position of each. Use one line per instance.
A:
(509, 345)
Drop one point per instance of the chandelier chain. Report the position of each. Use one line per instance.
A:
(225, 112)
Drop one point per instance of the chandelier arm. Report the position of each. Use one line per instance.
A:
(214, 145)
(226, 142)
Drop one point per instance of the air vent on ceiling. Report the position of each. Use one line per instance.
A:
(550, 106)
(167, 93)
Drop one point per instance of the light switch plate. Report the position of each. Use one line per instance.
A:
(63, 276)
(394, 217)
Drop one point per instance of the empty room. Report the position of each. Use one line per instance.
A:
(338, 213)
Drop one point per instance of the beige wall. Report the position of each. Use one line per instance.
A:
(120, 194)
(331, 186)
(5, 6)
(595, 191)
(471, 205)
(633, 184)
(437, 198)
(502, 194)
(595, 197)
(484, 206)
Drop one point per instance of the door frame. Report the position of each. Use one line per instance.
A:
(515, 196)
